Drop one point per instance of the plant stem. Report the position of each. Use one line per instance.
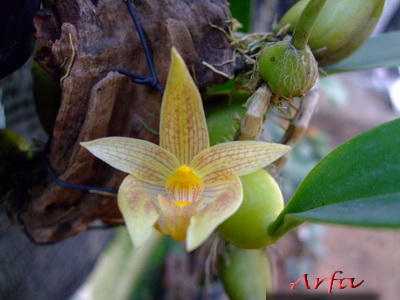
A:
(298, 125)
(306, 23)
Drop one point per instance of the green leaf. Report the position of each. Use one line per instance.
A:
(119, 270)
(241, 11)
(379, 51)
(356, 184)
(379, 212)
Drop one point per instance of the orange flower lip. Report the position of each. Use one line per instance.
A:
(184, 186)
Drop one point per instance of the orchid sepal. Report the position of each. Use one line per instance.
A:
(183, 126)
(142, 159)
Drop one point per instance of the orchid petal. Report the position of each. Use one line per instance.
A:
(217, 164)
(138, 209)
(176, 216)
(183, 128)
(145, 160)
(214, 213)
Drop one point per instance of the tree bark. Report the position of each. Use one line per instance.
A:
(97, 101)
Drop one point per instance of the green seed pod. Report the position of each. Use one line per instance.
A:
(288, 72)
(245, 274)
(262, 203)
(340, 29)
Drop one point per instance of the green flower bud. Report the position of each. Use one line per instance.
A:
(340, 29)
(245, 274)
(287, 71)
(262, 203)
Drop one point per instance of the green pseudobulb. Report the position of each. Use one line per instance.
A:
(262, 203)
(245, 274)
(340, 29)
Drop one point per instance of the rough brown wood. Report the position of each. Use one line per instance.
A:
(98, 102)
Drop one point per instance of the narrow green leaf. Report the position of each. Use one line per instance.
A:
(366, 169)
(379, 51)
(120, 268)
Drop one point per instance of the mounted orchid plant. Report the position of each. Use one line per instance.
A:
(206, 177)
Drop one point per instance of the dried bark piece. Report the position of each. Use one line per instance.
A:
(97, 101)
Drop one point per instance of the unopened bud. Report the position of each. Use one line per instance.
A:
(287, 71)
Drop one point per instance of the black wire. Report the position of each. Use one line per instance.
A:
(153, 80)
(54, 177)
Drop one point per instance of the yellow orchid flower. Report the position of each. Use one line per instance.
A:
(184, 187)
